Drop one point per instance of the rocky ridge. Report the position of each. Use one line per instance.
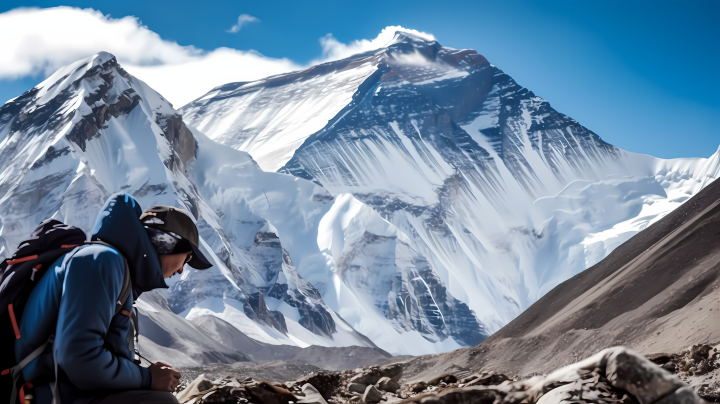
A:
(615, 375)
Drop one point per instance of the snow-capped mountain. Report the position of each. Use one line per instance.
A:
(460, 197)
(413, 198)
(91, 130)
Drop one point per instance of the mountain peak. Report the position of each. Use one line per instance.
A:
(402, 36)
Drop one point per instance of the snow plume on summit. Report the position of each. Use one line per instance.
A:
(92, 129)
(460, 197)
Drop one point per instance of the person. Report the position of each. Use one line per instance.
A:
(76, 301)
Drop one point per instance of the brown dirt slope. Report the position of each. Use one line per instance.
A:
(658, 292)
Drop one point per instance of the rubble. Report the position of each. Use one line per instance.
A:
(612, 376)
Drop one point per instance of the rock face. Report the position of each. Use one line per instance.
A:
(461, 197)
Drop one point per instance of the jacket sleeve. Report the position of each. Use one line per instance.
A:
(91, 287)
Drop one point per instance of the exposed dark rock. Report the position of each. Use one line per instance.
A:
(312, 395)
(50, 155)
(457, 396)
(256, 309)
(659, 358)
(371, 395)
(325, 382)
(181, 139)
(357, 387)
(488, 380)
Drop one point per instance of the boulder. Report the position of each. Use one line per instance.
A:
(312, 395)
(357, 387)
(394, 371)
(324, 382)
(367, 378)
(373, 374)
(670, 367)
(418, 387)
(371, 395)
(388, 384)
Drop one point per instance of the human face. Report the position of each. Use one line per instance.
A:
(173, 263)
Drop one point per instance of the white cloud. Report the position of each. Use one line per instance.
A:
(43, 40)
(335, 50)
(242, 20)
(40, 41)
(183, 82)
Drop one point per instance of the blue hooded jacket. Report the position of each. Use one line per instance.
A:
(75, 301)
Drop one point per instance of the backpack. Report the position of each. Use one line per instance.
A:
(18, 276)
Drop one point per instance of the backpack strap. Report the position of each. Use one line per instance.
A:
(127, 281)
(16, 370)
(133, 339)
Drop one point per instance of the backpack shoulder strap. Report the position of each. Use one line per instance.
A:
(127, 282)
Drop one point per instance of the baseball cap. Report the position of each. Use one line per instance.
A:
(170, 219)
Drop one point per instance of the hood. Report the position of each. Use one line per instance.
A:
(118, 224)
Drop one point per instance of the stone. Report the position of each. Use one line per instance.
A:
(199, 387)
(670, 367)
(388, 384)
(325, 383)
(312, 395)
(357, 387)
(394, 371)
(418, 387)
(371, 395)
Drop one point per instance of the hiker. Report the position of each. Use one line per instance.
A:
(76, 300)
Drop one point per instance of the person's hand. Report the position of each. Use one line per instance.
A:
(164, 377)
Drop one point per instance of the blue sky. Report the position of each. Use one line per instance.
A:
(641, 74)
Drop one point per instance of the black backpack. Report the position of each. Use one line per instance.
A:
(18, 276)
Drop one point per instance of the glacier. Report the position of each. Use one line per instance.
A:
(414, 198)
(460, 196)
